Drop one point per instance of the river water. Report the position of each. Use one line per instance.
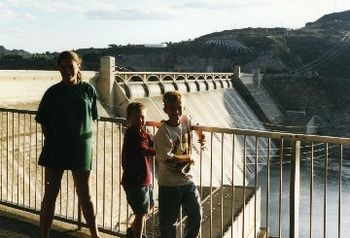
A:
(317, 201)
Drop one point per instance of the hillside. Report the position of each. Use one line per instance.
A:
(306, 69)
(273, 49)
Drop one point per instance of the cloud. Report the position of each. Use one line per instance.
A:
(16, 31)
(40, 6)
(125, 10)
(93, 9)
(56, 6)
(5, 12)
(223, 5)
(129, 14)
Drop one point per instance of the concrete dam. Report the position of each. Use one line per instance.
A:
(225, 100)
(211, 99)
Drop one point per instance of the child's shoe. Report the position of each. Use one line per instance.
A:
(130, 234)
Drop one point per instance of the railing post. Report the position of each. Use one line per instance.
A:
(294, 190)
(106, 80)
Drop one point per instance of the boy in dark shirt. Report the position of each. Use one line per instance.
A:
(137, 174)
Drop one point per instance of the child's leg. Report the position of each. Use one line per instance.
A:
(52, 187)
(169, 208)
(151, 199)
(139, 200)
(192, 208)
(138, 225)
(81, 179)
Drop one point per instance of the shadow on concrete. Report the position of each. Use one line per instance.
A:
(13, 228)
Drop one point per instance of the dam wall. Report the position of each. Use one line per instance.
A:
(212, 108)
(251, 85)
(210, 99)
(26, 87)
(23, 89)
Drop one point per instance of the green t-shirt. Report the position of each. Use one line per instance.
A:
(67, 114)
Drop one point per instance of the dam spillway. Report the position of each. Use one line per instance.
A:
(228, 103)
(211, 99)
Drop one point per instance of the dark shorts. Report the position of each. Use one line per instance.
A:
(139, 198)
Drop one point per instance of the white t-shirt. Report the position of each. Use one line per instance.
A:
(170, 140)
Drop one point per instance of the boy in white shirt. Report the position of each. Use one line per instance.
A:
(176, 187)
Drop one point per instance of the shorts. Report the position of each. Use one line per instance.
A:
(139, 198)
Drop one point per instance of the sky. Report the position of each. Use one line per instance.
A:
(38, 26)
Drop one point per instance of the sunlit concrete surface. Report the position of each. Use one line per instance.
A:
(20, 224)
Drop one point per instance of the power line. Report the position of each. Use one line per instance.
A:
(324, 58)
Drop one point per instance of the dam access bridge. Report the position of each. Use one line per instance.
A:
(251, 179)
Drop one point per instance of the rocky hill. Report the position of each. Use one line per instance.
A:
(275, 50)
(4, 51)
(337, 21)
(306, 70)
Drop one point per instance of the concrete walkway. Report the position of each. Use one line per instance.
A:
(13, 228)
(20, 224)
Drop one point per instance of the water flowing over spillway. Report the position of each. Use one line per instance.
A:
(220, 108)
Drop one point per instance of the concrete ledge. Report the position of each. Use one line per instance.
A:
(21, 224)
(25, 88)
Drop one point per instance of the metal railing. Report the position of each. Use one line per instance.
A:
(295, 182)
(22, 180)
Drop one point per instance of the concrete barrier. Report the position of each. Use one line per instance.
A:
(24, 88)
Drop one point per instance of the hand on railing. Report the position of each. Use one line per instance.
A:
(202, 141)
